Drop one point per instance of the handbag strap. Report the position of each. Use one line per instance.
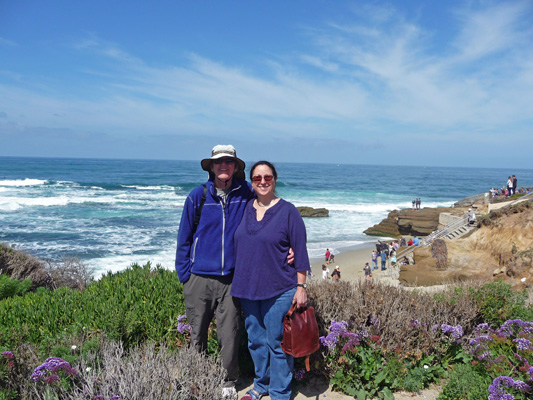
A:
(293, 308)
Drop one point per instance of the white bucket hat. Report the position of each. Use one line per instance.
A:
(225, 150)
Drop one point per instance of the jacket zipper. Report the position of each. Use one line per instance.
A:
(194, 249)
(224, 226)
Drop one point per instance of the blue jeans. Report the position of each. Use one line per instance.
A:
(264, 323)
(374, 264)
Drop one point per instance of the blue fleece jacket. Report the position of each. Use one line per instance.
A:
(210, 251)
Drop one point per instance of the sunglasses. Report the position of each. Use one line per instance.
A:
(259, 178)
(224, 160)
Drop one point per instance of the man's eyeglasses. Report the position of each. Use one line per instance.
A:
(259, 178)
(224, 160)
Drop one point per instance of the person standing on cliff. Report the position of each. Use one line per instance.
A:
(515, 184)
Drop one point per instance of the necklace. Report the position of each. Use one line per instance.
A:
(265, 205)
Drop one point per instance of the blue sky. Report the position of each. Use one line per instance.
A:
(445, 83)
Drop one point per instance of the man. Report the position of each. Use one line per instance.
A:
(515, 184)
(205, 256)
(383, 259)
(416, 242)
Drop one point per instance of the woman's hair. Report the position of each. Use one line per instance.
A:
(268, 164)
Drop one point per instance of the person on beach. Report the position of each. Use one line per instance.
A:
(336, 275)
(328, 254)
(374, 259)
(265, 283)
(413, 204)
(325, 272)
(402, 242)
(416, 241)
(205, 256)
(383, 259)
(368, 274)
(515, 184)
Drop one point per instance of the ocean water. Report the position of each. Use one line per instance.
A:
(112, 213)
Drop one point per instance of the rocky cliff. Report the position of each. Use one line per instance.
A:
(411, 222)
(500, 247)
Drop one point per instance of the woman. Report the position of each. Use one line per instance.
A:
(264, 281)
(325, 272)
(374, 259)
(393, 258)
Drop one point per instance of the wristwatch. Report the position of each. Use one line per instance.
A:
(304, 285)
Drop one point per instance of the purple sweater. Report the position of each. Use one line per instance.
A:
(261, 249)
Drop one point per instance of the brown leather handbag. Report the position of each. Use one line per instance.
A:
(300, 333)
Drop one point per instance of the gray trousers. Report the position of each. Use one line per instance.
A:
(207, 296)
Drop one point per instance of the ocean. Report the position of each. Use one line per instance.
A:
(112, 213)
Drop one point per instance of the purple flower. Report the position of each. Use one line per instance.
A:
(99, 397)
(497, 391)
(51, 379)
(415, 323)
(118, 398)
(456, 331)
(52, 364)
(183, 326)
(523, 344)
(336, 329)
(8, 354)
(484, 327)
(478, 340)
(507, 329)
(298, 375)
(485, 355)
(352, 342)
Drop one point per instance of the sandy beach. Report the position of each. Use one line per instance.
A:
(351, 265)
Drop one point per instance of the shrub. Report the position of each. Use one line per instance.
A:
(497, 302)
(131, 306)
(11, 287)
(465, 383)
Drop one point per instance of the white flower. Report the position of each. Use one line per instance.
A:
(523, 279)
(426, 366)
(88, 369)
(73, 347)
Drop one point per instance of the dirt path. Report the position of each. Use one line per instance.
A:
(319, 389)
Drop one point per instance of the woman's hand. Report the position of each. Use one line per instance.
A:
(300, 297)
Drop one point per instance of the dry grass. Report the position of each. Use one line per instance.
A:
(396, 309)
(149, 373)
(69, 272)
(440, 253)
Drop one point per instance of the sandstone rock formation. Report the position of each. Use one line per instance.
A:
(313, 212)
(500, 247)
(411, 222)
